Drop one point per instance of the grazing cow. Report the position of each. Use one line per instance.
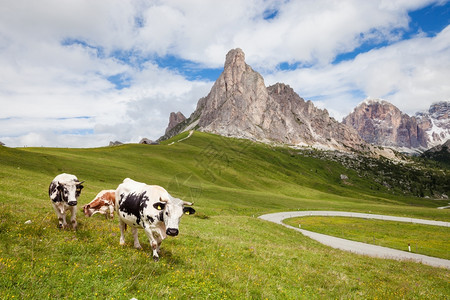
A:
(64, 191)
(103, 203)
(150, 207)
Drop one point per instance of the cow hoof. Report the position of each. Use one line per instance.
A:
(155, 258)
(60, 226)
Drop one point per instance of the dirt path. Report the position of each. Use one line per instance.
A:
(358, 247)
(189, 135)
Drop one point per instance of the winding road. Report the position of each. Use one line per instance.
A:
(358, 247)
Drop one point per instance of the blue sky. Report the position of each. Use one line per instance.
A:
(81, 73)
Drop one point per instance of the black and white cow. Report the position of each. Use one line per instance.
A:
(150, 207)
(64, 191)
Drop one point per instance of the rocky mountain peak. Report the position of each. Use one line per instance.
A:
(382, 123)
(235, 58)
(240, 105)
(440, 110)
(435, 122)
(174, 120)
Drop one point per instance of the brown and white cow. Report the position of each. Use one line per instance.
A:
(103, 204)
(150, 207)
(64, 191)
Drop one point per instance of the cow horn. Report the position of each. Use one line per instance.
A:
(188, 203)
(161, 200)
(80, 182)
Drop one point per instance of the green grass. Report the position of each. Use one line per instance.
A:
(223, 251)
(423, 239)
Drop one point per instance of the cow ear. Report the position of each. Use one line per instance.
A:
(188, 210)
(159, 205)
(79, 187)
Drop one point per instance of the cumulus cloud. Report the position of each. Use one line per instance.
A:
(81, 73)
(411, 74)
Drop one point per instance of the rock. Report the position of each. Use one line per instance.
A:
(116, 143)
(381, 123)
(344, 177)
(1, 144)
(240, 105)
(174, 120)
(146, 141)
(435, 123)
(28, 222)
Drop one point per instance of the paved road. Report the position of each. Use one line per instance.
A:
(358, 247)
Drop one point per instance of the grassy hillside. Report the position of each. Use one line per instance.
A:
(223, 251)
(422, 239)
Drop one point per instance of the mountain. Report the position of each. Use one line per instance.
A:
(439, 153)
(436, 123)
(174, 120)
(381, 123)
(240, 105)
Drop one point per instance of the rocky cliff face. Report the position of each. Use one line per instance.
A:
(381, 123)
(240, 105)
(174, 120)
(435, 123)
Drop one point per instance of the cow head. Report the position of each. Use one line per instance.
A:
(103, 203)
(69, 191)
(172, 211)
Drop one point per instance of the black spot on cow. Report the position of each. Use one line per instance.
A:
(134, 204)
(60, 189)
(62, 192)
(78, 190)
(51, 189)
(161, 216)
(150, 219)
(121, 198)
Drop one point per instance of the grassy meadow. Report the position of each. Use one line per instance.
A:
(223, 251)
(423, 239)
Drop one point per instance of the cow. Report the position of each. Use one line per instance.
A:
(103, 203)
(152, 208)
(64, 191)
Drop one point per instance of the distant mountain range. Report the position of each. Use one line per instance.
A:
(240, 105)
(381, 123)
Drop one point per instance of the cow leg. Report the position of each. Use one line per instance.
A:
(134, 230)
(61, 217)
(158, 248)
(153, 243)
(123, 227)
(73, 217)
(159, 240)
(111, 212)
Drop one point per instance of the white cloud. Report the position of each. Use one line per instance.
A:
(56, 58)
(411, 74)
